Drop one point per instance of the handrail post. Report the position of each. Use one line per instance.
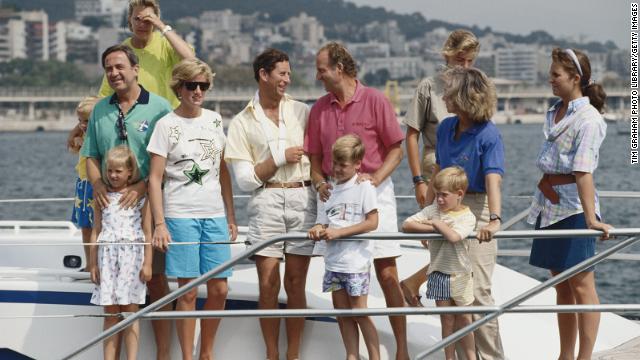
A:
(526, 295)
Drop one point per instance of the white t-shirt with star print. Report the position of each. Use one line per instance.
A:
(193, 148)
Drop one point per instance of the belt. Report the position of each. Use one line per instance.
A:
(288, 185)
(548, 181)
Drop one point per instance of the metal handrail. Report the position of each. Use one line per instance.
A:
(526, 295)
(370, 236)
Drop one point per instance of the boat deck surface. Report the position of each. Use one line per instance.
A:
(627, 351)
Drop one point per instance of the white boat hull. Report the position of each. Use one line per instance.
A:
(26, 293)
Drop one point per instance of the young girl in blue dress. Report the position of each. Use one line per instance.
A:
(121, 265)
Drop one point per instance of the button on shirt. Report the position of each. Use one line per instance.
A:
(570, 145)
(479, 151)
(368, 115)
(246, 140)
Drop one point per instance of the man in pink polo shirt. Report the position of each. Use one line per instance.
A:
(352, 108)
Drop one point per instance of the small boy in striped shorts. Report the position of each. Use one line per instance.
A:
(450, 280)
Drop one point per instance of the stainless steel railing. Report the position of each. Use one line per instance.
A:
(633, 232)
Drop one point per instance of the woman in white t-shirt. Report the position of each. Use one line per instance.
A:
(196, 202)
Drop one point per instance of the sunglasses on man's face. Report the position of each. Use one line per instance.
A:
(192, 85)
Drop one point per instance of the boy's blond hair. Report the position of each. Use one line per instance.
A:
(348, 148)
(451, 179)
(121, 155)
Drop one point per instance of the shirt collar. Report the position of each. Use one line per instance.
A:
(251, 105)
(357, 94)
(574, 105)
(472, 130)
(143, 98)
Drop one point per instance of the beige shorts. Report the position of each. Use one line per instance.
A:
(274, 212)
(428, 163)
(387, 221)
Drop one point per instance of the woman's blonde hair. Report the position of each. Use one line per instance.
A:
(471, 93)
(348, 148)
(188, 69)
(145, 3)
(85, 106)
(461, 41)
(451, 179)
(121, 155)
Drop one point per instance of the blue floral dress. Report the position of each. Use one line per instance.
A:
(120, 265)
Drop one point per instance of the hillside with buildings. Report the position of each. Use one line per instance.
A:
(227, 34)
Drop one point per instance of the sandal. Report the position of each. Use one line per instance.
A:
(410, 298)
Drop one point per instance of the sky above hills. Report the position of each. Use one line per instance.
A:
(591, 20)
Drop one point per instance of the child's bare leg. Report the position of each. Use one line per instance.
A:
(367, 327)
(186, 327)
(110, 345)
(216, 297)
(467, 342)
(86, 238)
(348, 326)
(132, 333)
(447, 322)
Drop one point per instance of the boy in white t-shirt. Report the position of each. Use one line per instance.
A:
(450, 280)
(351, 210)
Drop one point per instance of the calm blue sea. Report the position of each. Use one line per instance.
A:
(36, 165)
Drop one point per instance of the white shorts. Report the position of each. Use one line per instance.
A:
(275, 212)
(387, 221)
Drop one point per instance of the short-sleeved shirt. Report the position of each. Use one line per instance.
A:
(156, 61)
(102, 131)
(573, 144)
(246, 140)
(446, 257)
(479, 151)
(368, 115)
(193, 148)
(348, 205)
(427, 109)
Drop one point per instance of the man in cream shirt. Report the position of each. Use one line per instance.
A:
(264, 148)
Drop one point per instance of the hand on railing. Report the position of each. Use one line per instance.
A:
(161, 237)
(597, 225)
(485, 234)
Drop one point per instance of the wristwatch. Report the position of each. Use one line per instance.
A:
(418, 179)
(166, 29)
(493, 217)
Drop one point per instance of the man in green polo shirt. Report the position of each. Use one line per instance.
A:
(127, 117)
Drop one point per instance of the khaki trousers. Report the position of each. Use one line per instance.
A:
(483, 260)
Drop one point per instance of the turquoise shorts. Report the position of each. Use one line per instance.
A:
(191, 261)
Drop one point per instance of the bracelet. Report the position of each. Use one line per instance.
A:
(158, 224)
(320, 184)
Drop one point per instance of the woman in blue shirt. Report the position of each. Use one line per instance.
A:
(470, 140)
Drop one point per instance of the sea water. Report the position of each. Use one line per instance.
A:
(37, 165)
